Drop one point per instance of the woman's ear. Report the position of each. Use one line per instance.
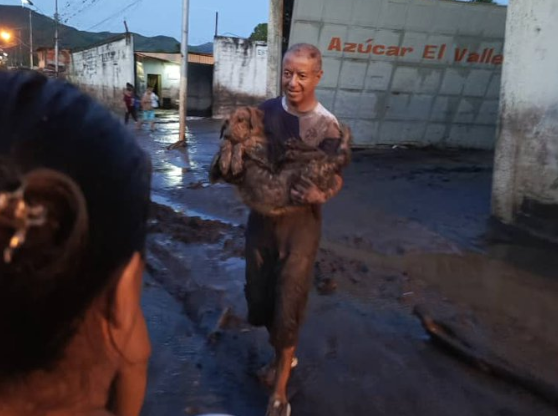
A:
(127, 328)
(129, 337)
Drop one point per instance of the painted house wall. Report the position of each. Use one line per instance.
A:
(103, 70)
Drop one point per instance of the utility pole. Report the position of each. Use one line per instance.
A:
(274, 47)
(30, 4)
(20, 53)
(182, 106)
(216, 23)
(56, 38)
(31, 64)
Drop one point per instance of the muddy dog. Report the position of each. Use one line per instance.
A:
(243, 133)
(265, 185)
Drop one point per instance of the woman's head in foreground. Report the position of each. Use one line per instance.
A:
(74, 194)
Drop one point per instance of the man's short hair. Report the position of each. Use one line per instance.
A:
(309, 50)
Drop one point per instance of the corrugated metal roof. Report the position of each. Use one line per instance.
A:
(197, 58)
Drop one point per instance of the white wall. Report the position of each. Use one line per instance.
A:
(104, 70)
(240, 73)
(525, 190)
(396, 70)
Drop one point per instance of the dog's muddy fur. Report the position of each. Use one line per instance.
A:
(265, 185)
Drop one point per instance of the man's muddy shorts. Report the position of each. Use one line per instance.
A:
(280, 256)
(148, 115)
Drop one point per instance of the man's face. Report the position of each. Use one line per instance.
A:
(300, 78)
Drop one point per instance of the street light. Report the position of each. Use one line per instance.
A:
(10, 39)
(5, 35)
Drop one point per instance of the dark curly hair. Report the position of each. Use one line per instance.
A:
(66, 153)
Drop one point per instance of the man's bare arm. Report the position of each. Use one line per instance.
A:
(330, 193)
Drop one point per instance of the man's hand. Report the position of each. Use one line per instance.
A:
(305, 192)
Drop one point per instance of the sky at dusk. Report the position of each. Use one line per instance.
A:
(160, 17)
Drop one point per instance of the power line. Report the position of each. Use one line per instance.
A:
(68, 7)
(38, 9)
(115, 15)
(85, 7)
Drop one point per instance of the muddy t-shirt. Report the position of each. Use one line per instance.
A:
(312, 127)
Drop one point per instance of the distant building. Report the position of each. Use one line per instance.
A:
(104, 69)
(47, 62)
(161, 71)
(3, 58)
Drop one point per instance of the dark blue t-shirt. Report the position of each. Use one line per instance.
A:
(311, 127)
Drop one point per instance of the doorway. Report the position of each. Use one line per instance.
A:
(154, 81)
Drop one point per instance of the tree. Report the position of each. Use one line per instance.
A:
(260, 32)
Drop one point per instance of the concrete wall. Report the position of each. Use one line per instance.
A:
(525, 190)
(240, 74)
(425, 72)
(104, 70)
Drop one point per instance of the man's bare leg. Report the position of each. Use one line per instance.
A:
(278, 403)
(267, 374)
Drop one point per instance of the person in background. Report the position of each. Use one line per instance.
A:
(149, 102)
(74, 200)
(129, 103)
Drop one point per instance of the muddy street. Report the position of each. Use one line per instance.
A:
(407, 237)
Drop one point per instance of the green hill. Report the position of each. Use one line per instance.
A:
(16, 19)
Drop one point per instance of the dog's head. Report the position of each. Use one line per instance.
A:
(243, 123)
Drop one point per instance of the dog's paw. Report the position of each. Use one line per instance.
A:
(225, 157)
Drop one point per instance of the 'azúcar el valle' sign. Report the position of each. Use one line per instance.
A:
(441, 52)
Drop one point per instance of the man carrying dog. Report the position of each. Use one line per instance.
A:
(281, 250)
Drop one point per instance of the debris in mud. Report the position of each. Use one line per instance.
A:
(326, 286)
(192, 410)
(228, 320)
(234, 247)
(447, 336)
(179, 226)
(197, 185)
(221, 324)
